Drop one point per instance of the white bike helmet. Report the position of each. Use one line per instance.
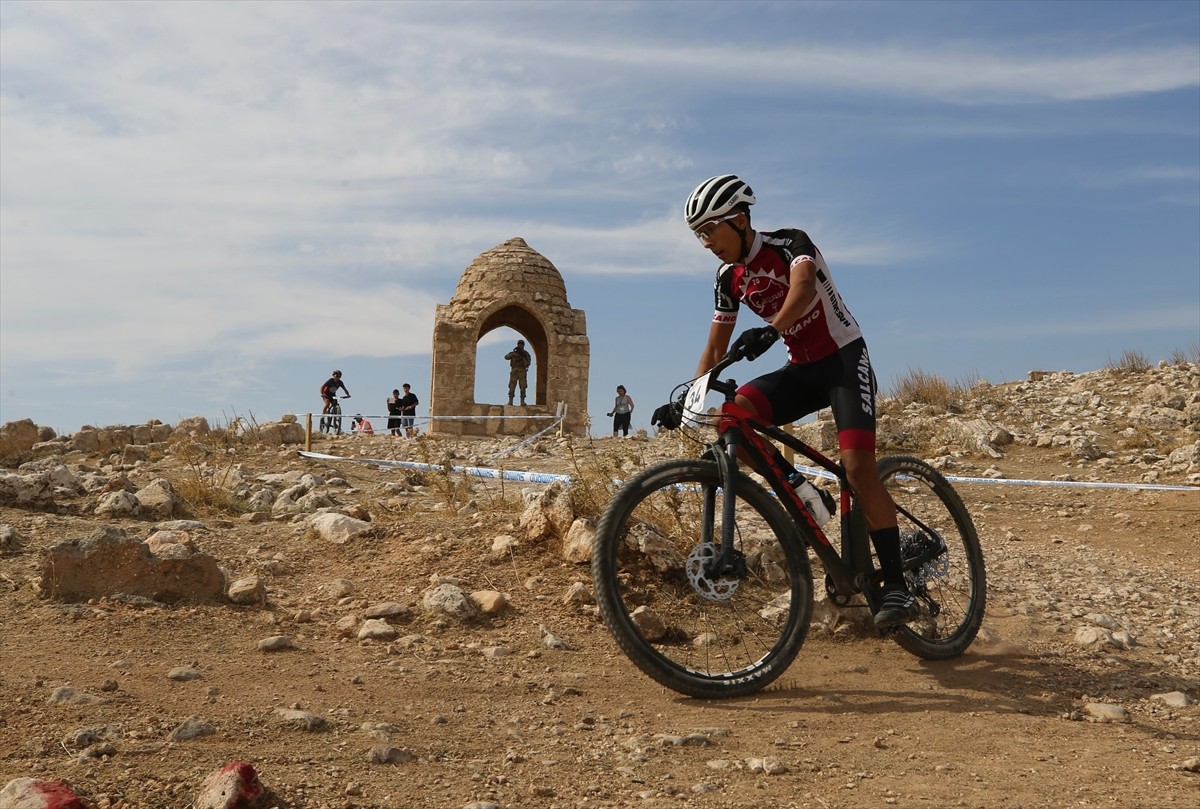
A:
(716, 196)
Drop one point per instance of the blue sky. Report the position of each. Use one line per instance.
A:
(206, 207)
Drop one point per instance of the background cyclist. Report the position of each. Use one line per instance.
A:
(329, 391)
(782, 277)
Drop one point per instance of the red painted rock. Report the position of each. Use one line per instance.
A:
(30, 793)
(234, 786)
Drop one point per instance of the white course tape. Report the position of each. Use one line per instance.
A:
(473, 471)
(1081, 484)
(533, 437)
(420, 418)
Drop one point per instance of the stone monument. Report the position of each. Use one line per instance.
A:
(515, 286)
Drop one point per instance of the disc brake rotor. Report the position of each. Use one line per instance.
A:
(720, 588)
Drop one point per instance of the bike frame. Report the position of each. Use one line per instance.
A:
(332, 417)
(738, 429)
(852, 570)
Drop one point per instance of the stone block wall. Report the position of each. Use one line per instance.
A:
(511, 286)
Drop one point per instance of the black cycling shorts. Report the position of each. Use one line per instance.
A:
(843, 381)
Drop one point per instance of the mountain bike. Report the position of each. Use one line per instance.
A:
(702, 572)
(332, 421)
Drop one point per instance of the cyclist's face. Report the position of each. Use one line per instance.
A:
(722, 239)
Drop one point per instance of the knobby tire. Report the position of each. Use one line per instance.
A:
(954, 583)
(701, 634)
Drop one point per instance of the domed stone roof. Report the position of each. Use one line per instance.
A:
(510, 286)
(511, 270)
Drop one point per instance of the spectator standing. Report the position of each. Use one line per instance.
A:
(622, 412)
(393, 409)
(408, 411)
(519, 361)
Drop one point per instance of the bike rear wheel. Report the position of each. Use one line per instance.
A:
(950, 584)
(696, 631)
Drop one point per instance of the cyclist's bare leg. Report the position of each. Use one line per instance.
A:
(876, 503)
(880, 510)
(873, 498)
(743, 456)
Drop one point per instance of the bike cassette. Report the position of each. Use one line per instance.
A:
(919, 544)
(698, 568)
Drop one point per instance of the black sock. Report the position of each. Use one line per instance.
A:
(887, 548)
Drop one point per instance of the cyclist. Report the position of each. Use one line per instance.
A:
(782, 277)
(329, 391)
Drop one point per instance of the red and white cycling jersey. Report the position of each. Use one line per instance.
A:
(762, 283)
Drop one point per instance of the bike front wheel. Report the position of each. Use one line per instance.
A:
(943, 561)
(695, 629)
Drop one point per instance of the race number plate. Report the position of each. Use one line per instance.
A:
(693, 403)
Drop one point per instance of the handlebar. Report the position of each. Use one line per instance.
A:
(727, 386)
(691, 401)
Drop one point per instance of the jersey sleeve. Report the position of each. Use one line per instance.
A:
(725, 304)
(800, 247)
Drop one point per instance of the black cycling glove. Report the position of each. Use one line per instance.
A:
(669, 416)
(753, 343)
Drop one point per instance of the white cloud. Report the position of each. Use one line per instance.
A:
(1129, 320)
(183, 181)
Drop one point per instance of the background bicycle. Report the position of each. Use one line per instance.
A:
(332, 421)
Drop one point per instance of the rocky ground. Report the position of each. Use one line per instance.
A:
(411, 638)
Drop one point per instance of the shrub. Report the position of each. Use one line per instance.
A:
(208, 463)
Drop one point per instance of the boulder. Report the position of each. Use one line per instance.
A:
(118, 504)
(449, 601)
(30, 491)
(281, 433)
(577, 547)
(109, 562)
(338, 528)
(195, 426)
(159, 500)
(16, 439)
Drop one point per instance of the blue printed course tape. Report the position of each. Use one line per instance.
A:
(543, 477)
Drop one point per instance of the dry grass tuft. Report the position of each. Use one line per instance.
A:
(209, 463)
(596, 476)
(1130, 360)
(922, 387)
(1185, 356)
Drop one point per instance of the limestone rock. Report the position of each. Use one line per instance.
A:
(16, 439)
(449, 600)
(234, 786)
(109, 561)
(159, 500)
(581, 538)
(338, 528)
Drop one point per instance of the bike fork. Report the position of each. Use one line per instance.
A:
(726, 561)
